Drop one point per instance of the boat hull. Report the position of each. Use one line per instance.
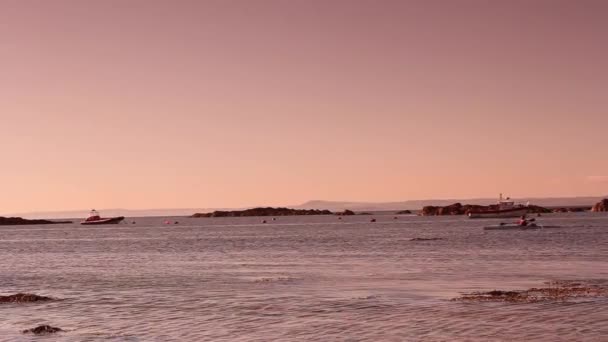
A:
(507, 213)
(111, 220)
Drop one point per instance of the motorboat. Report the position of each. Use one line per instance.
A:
(506, 208)
(95, 218)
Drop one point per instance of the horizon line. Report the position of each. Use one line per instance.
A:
(301, 204)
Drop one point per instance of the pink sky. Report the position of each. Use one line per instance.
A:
(167, 104)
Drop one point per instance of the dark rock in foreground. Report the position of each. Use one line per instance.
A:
(42, 330)
(601, 205)
(23, 298)
(18, 221)
(264, 212)
(556, 292)
(426, 239)
(460, 209)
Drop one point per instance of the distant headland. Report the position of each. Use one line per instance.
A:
(268, 211)
(18, 221)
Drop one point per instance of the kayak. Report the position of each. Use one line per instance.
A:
(518, 227)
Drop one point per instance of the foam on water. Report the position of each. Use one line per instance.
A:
(301, 278)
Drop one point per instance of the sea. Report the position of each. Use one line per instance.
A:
(301, 278)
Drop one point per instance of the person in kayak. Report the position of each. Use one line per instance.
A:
(522, 221)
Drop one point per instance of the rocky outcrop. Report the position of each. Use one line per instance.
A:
(23, 298)
(453, 209)
(571, 209)
(18, 221)
(559, 291)
(42, 330)
(460, 209)
(264, 212)
(426, 239)
(535, 209)
(601, 205)
(404, 212)
(346, 213)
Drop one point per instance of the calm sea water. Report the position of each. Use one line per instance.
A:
(301, 279)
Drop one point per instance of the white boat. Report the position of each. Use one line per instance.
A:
(506, 208)
(94, 219)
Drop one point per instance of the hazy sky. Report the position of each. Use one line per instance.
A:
(165, 104)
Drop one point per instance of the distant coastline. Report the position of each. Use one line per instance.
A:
(19, 221)
(562, 204)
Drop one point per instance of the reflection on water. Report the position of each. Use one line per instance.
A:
(301, 278)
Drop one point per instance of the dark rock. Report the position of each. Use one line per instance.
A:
(425, 239)
(502, 293)
(23, 298)
(18, 221)
(535, 209)
(404, 212)
(452, 209)
(346, 213)
(558, 292)
(571, 209)
(364, 214)
(601, 206)
(264, 212)
(43, 330)
(429, 210)
(460, 209)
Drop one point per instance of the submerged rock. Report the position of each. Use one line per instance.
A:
(42, 330)
(557, 291)
(23, 298)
